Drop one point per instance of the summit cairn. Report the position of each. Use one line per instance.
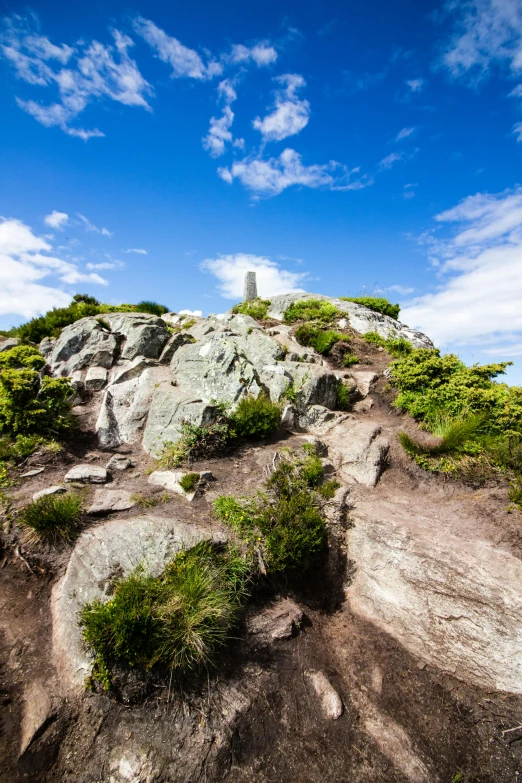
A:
(250, 291)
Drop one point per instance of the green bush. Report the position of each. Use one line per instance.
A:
(179, 619)
(349, 359)
(31, 404)
(377, 304)
(256, 308)
(52, 519)
(396, 346)
(322, 340)
(285, 522)
(344, 397)
(311, 310)
(255, 417)
(454, 434)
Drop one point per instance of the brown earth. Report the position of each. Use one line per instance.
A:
(258, 720)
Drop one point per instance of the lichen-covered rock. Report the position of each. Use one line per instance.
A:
(96, 378)
(101, 554)
(87, 474)
(107, 501)
(360, 318)
(358, 451)
(144, 334)
(8, 342)
(82, 344)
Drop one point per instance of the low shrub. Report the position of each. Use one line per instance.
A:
(179, 619)
(255, 417)
(188, 324)
(284, 523)
(52, 519)
(311, 310)
(321, 340)
(189, 482)
(397, 347)
(377, 304)
(256, 308)
(344, 397)
(349, 359)
(30, 403)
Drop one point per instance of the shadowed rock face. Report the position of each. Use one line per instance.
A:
(448, 596)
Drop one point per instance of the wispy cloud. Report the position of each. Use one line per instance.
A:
(404, 134)
(81, 75)
(290, 114)
(262, 54)
(270, 177)
(91, 227)
(478, 299)
(57, 220)
(107, 265)
(415, 85)
(219, 132)
(389, 160)
(26, 259)
(185, 62)
(271, 278)
(139, 250)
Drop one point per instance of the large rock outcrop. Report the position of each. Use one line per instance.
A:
(360, 318)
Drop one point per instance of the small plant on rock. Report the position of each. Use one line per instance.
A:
(377, 304)
(344, 397)
(321, 340)
(189, 482)
(153, 308)
(349, 359)
(255, 308)
(312, 310)
(52, 519)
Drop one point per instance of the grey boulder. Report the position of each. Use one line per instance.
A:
(87, 474)
(107, 501)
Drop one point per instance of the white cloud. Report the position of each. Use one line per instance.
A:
(416, 85)
(25, 259)
(404, 133)
(184, 62)
(389, 160)
(400, 289)
(271, 279)
(480, 264)
(93, 71)
(261, 54)
(290, 114)
(139, 250)
(219, 132)
(487, 32)
(91, 227)
(56, 219)
(197, 313)
(517, 130)
(271, 177)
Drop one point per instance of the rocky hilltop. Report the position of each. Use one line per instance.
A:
(394, 655)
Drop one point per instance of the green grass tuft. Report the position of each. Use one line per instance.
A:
(349, 359)
(255, 417)
(322, 340)
(179, 619)
(153, 308)
(52, 519)
(189, 482)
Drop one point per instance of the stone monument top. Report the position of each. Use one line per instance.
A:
(250, 292)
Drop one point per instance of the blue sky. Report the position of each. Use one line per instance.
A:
(157, 152)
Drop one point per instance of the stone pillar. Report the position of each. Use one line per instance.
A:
(250, 287)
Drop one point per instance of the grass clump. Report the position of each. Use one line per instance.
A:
(344, 397)
(397, 347)
(153, 308)
(52, 519)
(255, 417)
(311, 310)
(350, 359)
(256, 308)
(284, 524)
(179, 619)
(149, 501)
(189, 482)
(31, 403)
(322, 340)
(377, 304)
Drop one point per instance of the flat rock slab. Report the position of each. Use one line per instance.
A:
(96, 378)
(424, 576)
(87, 474)
(170, 480)
(54, 490)
(119, 462)
(101, 554)
(359, 451)
(329, 699)
(37, 711)
(280, 621)
(106, 501)
(31, 473)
